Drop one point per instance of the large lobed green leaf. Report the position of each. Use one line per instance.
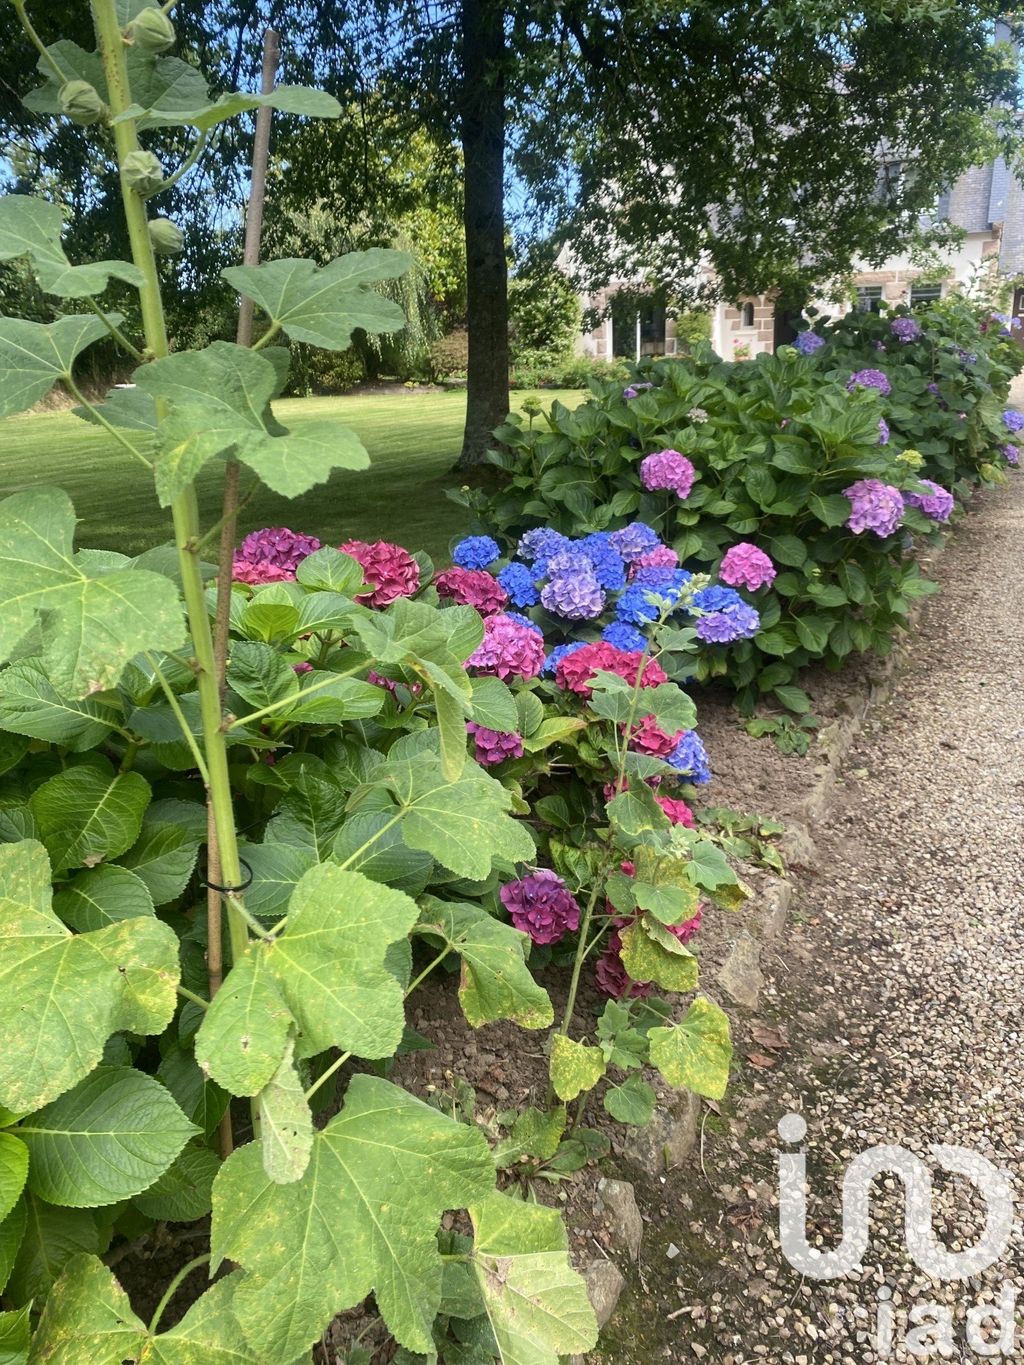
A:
(33, 227)
(67, 993)
(363, 1218)
(91, 624)
(696, 1052)
(35, 355)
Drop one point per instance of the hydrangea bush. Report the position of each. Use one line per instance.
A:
(804, 481)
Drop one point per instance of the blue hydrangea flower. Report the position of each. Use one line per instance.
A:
(517, 580)
(636, 607)
(1014, 421)
(541, 541)
(717, 598)
(609, 568)
(576, 598)
(624, 636)
(739, 622)
(690, 759)
(808, 342)
(634, 540)
(524, 621)
(883, 432)
(558, 653)
(476, 552)
(669, 582)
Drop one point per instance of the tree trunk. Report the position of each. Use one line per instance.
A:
(483, 146)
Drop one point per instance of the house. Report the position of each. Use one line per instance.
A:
(987, 203)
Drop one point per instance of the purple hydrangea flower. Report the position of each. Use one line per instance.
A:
(875, 506)
(905, 329)
(540, 543)
(635, 540)
(272, 555)
(565, 564)
(938, 504)
(508, 650)
(578, 598)
(883, 432)
(870, 379)
(668, 470)
(808, 342)
(517, 580)
(735, 622)
(934, 389)
(476, 552)
(494, 746)
(624, 636)
(690, 759)
(541, 906)
(1013, 420)
(1012, 453)
(634, 390)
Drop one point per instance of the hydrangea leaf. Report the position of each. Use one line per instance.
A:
(220, 399)
(286, 1124)
(329, 962)
(102, 896)
(696, 1052)
(648, 956)
(330, 570)
(574, 1067)
(89, 814)
(31, 705)
(371, 843)
(12, 1233)
(276, 870)
(536, 1303)
(13, 1171)
(34, 355)
(49, 1238)
(92, 626)
(494, 706)
(87, 1316)
(15, 1331)
(363, 1218)
(465, 824)
(323, 305)
(33, 227)
(162, 858)
(68, 991)
(495, 981)
(107, 1139)
(244, 1033)
(184, 1192)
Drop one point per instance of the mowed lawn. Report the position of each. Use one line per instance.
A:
(413, 440)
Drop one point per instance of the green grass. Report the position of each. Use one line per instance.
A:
(413, 440)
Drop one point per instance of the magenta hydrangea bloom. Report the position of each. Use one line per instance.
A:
(508, 650)
(647, 737)
(271, 555)
(905, 329)
(661, 557)
(472, 588)
(390, 571)
(870, 379)
(875, 506)
(938, 504)
(540, 905)
(611, 976)
(494, 746)
(667, 469)
(678, 812)
(744, 565)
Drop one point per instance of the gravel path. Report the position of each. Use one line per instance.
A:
(899, 989)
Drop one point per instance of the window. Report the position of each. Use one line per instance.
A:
(869, 298)
(746, 315)
(924, 293)
(890, 181)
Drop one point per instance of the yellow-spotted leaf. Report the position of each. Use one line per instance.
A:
(575, 1067)
(696, 1052)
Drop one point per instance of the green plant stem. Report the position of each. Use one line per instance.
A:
(186, 994)
(185, 509)
(118, 436)
(198, 147)
(581, 953)
(267, 336)
(179, 716)
(427, 970)
(336, 1065)
(37, 42)
(292, 701)
(214, 531)
(115, 331)
(183, 1274)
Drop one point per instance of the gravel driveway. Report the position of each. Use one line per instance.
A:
(899, 990)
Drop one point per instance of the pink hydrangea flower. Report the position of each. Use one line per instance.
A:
(662, 557)
(744, 565)
(648, 738)
(391, 571)
(669, 470)
(508, 649)
(271, 555)
(575, 670)
(678, 812)
(494, 746)
(472, 588)
(540, 905)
